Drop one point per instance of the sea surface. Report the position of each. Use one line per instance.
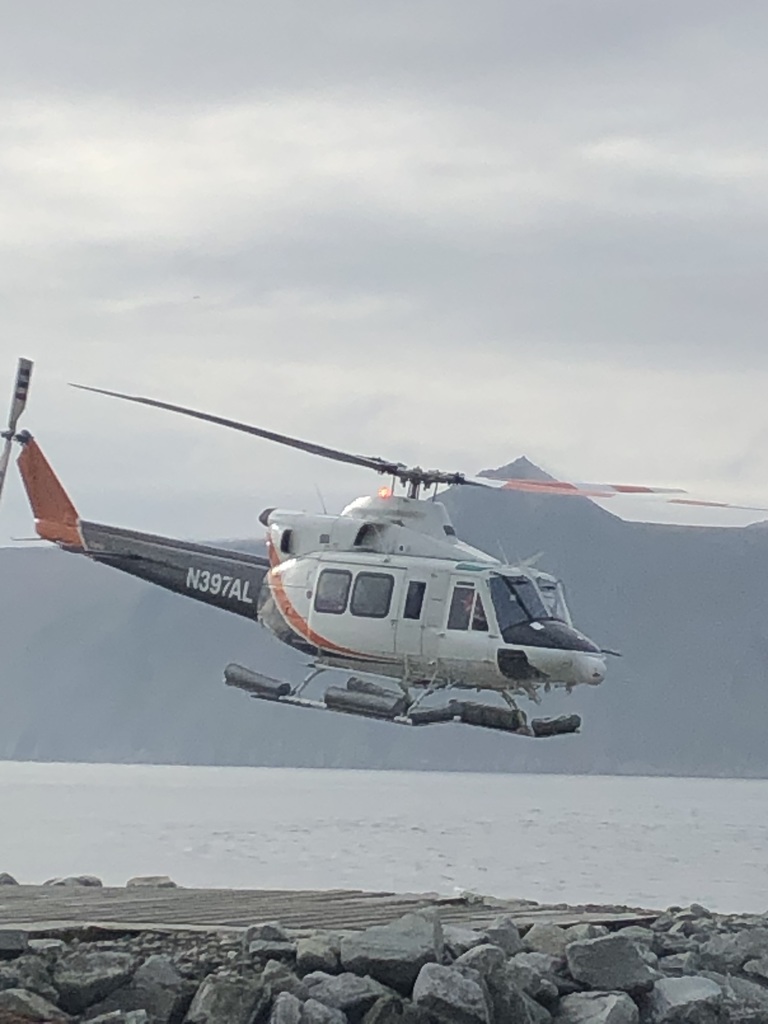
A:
(650, 842)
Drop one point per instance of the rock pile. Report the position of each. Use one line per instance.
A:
(687, 967)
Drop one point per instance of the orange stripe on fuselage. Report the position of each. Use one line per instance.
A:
(297, 622)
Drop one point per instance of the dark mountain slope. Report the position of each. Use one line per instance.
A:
(99, 666)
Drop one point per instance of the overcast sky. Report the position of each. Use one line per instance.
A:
(440, 232)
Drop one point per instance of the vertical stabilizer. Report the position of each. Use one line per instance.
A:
(56, 518)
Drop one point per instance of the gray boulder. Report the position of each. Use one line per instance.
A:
(46, 947)
(611, 963)
(279, 978)
(31, 973)
(151, 882)
(394, 1010)
(6, 879)
(286, 1009)
(503, 932)
(394, 953)
(536, 1014)
(507, 997)
(483, 958)
(118, 1017)
(226, 1000)
(743, 996)
(459, 940)
(76, 881)
(83, 979)
(314, 1012)
(680, 963)
(16, 1005)
(450, 995)
(534, 984)
(264, 949)
(693, 1000)
(549, 968)
(668, 943)
(597, 1008)
(268, 931)
(508, 1001)
(635, 933)
(728, 953)
(269, 941)
(545, 938)
(318, 952)
(579, 932)
(545, 963)
(757, 968)
(13, 942)
(347, 992)
(156, 987)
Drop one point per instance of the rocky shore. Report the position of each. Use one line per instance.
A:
(687, 966)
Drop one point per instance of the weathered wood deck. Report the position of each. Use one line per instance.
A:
(53, 909)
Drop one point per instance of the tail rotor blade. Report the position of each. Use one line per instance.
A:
(21, 390)
(19, 400)
(4, 459)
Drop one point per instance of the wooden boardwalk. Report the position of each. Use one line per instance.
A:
(55, 909)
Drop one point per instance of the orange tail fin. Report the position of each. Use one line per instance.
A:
(56, 517)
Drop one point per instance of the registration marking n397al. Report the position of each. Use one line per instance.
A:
(216, 583)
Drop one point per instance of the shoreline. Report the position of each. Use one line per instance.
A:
(359, 769)
(351, 957)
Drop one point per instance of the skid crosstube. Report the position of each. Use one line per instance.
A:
(370, 700)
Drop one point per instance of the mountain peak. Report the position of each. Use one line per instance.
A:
(519, 469)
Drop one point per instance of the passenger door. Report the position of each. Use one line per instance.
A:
(357, 608)
(412, 615)
(434, 614)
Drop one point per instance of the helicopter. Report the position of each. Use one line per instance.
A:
(385, 590)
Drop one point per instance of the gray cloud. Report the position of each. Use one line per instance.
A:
(351, 222)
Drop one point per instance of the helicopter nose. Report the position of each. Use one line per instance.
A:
(591, 668)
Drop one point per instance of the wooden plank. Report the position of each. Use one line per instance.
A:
(44, 909)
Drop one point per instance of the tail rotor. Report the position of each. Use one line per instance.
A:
(18, 402)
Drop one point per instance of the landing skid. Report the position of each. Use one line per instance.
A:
(368, 699)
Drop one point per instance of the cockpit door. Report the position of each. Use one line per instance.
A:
(467, 623)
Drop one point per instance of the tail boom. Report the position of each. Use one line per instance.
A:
(226, 578)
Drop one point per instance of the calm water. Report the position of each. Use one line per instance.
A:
(646, 841)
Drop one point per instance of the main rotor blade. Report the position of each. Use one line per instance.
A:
(564, 487)
(717, 504)
(368, 462)
(604, 491)
(21, 389)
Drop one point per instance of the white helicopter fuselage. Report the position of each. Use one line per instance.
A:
(387, 588)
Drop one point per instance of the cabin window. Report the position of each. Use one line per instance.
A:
(479, 618)
(414, 599)
(461, 606)
(372, 595)
(285, 542)
(332, 591)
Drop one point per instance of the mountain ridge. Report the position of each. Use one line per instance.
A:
(99, 666)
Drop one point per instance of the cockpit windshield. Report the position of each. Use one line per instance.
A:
(516, 600)
(553, 595)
